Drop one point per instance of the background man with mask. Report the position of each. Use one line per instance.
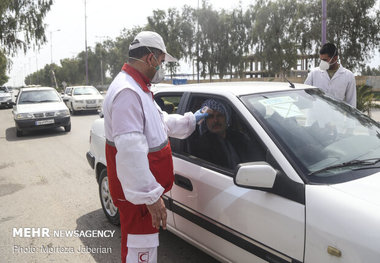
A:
(331, 77)
(138, 153)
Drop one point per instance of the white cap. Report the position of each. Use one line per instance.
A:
(151, 39)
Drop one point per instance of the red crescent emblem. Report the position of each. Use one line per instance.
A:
(143, 257)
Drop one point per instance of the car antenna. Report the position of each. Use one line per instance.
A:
(291, 84)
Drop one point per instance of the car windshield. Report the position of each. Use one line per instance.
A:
(329, 141)
(38, 96)
(86, 91)
(3, 90)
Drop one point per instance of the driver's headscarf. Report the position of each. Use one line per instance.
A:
(216, 105)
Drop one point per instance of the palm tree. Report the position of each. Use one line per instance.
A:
(366, 99)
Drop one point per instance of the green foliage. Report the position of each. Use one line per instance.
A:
(23, 18)
(116, 52)
(354, 27)
(366, 99)
(274, 32)
(3, 68)
(371, 71)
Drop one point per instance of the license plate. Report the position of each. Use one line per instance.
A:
(44, 122)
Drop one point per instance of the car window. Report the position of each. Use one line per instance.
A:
(38, 96)
(168, 103)
(223, 139)
(85, 91)
(3, 90)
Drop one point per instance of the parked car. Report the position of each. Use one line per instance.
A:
(83, 98)
(5, 97)
(308, 192)
(40, 108)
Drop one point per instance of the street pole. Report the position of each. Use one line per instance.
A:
(85, 39)
(101, 57)
(51, 44)
(198, 44)
(324, 17)
(101, 70)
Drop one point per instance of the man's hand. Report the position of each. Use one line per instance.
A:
(158, 213)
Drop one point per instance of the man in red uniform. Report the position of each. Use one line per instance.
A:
(138, 153)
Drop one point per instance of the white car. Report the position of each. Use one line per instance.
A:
(5, 97)
(83, 98)
(308, 191)
(40, 108)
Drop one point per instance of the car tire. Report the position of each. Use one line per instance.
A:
(109, 209)
(67, 128)
(18, 133)
(72, 109)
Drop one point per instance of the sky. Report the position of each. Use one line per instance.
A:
(65, 29)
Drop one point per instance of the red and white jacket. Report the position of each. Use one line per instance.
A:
(139, 130)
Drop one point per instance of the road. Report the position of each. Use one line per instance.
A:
(47, 184)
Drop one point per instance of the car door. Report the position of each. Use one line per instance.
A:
(240, 225)
(170, 102)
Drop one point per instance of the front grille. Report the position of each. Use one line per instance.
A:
(49, 114)
(44, 114)
(39, 115)
(90, 101)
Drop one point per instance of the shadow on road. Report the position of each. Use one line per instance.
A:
(172, 249)
(85, 113)
(96, 220)
(10, 134)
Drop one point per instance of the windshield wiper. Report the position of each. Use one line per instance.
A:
(371, 161)
(28, 101)
(48, 101)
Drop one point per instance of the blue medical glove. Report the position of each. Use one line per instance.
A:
(200, 115)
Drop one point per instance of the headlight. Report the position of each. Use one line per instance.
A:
(62, 113)
(23, 116)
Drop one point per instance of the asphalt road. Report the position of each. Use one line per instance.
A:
(47, 184)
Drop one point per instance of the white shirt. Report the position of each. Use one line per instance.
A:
(342, 86)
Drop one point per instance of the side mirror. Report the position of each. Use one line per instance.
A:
(255, 175)
(65, 99)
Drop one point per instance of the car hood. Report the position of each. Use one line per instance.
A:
(366, 188)
(88, 97)
(5, 94)
(40, 107)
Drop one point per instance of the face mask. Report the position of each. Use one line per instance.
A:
(324, 65)
(158, 76)
(160, 73)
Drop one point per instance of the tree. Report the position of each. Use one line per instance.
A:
(3, 69)
(274, 33)
(366, 99)
(25, 17)
(116, 52)
(368, 71)
(168, 25)
(21, 18)
(354, 27)
(208, 37)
